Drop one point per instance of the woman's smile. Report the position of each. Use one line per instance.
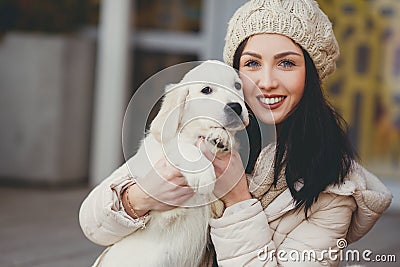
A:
(271, 101)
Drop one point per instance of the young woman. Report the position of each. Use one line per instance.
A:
(304, 195)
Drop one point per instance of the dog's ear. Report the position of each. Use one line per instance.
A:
(166, 124)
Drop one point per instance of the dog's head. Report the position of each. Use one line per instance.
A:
(210, 95)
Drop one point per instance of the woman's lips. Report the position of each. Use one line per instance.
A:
(271, 101)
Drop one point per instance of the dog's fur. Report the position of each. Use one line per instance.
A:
(179, 237)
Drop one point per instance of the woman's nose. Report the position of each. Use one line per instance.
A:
(267, 79)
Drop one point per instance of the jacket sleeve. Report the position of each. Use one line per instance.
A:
(245, 238)
(101, 216)
(240, 233)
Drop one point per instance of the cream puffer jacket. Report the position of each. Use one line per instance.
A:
(248, 235)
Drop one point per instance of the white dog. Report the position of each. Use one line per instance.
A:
(208, 102)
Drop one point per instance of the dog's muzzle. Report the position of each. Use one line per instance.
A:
(235, 116)
(234, 107)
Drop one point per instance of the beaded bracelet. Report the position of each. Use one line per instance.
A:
(141, 219)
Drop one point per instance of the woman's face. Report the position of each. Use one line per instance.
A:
(274, 76)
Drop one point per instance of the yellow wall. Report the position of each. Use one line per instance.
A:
(366, 86)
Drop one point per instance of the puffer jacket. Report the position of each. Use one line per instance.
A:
(248, 235)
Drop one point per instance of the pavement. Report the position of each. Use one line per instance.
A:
(39, 228)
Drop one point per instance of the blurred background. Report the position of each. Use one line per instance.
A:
(69, 67)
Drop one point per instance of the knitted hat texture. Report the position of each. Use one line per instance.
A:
(301, 20)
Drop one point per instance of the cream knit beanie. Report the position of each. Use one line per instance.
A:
(301, 20)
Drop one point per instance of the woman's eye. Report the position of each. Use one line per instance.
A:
(252, 64)
(206, 90)
(286, 63)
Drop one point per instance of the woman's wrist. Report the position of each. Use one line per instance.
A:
(235, 198)
(240, 192)
(131, 202)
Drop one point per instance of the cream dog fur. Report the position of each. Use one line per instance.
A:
(208, 102)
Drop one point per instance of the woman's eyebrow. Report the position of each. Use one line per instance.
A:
(277, 56)
(251, 54)
(284, 54)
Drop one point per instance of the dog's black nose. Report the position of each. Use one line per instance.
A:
(235, 106)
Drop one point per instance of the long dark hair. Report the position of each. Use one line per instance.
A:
(312, 143)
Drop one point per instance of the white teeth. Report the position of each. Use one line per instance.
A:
(272, 100)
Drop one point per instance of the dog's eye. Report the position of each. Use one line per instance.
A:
(206, 90)
(238, 86)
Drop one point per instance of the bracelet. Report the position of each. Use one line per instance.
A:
(141, 219)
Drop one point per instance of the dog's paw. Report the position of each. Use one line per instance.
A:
(218, 140)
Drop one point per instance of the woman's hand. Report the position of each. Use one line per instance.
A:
(231, 185)
(163, 188)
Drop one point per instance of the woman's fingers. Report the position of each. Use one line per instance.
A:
(165, 170)
(203, 148)
(183, 198)
(167, 186)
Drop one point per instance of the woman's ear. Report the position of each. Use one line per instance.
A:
(166, 124)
